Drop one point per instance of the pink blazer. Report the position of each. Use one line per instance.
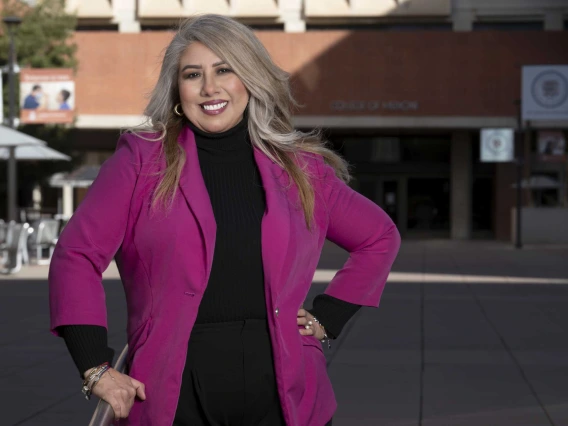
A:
(165, 260)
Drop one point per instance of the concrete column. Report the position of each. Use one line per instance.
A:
(12, 177)
(462, 20)
(125, 16)
(553, 20)
(292, 14)
(67, 200)
(402, 224)
(461, 186)
(505, 199)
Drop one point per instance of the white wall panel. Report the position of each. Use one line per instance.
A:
(327, 8)
(401, 7)
(370, 8)
(220, 7)
(90, 8)
(159, 9)
(254, 8)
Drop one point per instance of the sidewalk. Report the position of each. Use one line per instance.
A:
(467, 334)
(40, 272)
(481, 262)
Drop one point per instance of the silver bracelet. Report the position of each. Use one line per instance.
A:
(93, 379)
(325, 337)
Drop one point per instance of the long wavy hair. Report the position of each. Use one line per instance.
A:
(269, 110)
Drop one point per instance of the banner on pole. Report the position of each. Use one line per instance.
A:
(551, 146)
(1, 100)
(545, 92)
(47, 95)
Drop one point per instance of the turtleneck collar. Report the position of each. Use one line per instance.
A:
(227, 143)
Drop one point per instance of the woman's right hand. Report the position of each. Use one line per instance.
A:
(119, 390)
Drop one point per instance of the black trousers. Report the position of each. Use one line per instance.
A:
(228, 379)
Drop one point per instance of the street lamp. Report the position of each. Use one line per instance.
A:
(11, 23)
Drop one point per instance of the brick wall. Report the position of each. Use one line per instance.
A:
(447, 73)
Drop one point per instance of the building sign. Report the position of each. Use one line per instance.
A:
(545, 92)
(497, 145)
(47, 95)
(551, 146)
(372, 106)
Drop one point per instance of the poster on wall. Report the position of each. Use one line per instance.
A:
(551, 146)
(47, 95)
(545, 92)
(497, 145)
(2, 102)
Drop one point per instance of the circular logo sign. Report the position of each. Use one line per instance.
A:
(496, 143)
(550, 89)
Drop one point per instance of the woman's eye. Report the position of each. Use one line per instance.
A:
(192, 75)
(224, 70)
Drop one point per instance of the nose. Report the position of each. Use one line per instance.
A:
(210, 86)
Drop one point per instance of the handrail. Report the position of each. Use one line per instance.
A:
(104, 414)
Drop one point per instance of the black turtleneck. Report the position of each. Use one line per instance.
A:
(235, 289)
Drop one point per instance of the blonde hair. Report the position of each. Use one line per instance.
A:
(269, 110)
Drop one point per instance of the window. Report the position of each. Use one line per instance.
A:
(426, 150)
(509, 26)
(373, 149)
(545, 189)
(387, 27)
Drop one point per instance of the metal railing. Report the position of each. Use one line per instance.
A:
(104, 414)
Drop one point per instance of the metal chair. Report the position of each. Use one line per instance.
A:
(3, 232)
(14, 247)
(44, 236)
(104, 414)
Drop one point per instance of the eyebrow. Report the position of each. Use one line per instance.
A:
(216, 64)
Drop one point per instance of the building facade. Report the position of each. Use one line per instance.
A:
(401, 88)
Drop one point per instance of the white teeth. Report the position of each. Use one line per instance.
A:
(214, 107)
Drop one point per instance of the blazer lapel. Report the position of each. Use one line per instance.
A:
(195, 193)
(275, 226)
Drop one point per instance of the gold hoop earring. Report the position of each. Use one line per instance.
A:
(176, 112)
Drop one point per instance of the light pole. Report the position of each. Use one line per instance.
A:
(11, 23)
(519, 151)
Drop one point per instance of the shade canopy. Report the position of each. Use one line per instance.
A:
(34, 152)
(539, 182)
(82, 177)
(10, 137)
(12, 141)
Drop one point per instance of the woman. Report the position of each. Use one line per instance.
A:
(217, 221)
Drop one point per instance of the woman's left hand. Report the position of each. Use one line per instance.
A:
(309, 326)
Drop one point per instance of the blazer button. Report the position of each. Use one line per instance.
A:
(276, 311)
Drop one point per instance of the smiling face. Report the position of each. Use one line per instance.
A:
(212, 97)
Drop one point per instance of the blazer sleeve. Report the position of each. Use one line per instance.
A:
(362, 228)
(90, 240)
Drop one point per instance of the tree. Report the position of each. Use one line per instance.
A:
(44, 39)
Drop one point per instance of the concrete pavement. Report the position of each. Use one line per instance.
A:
(467, 334)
